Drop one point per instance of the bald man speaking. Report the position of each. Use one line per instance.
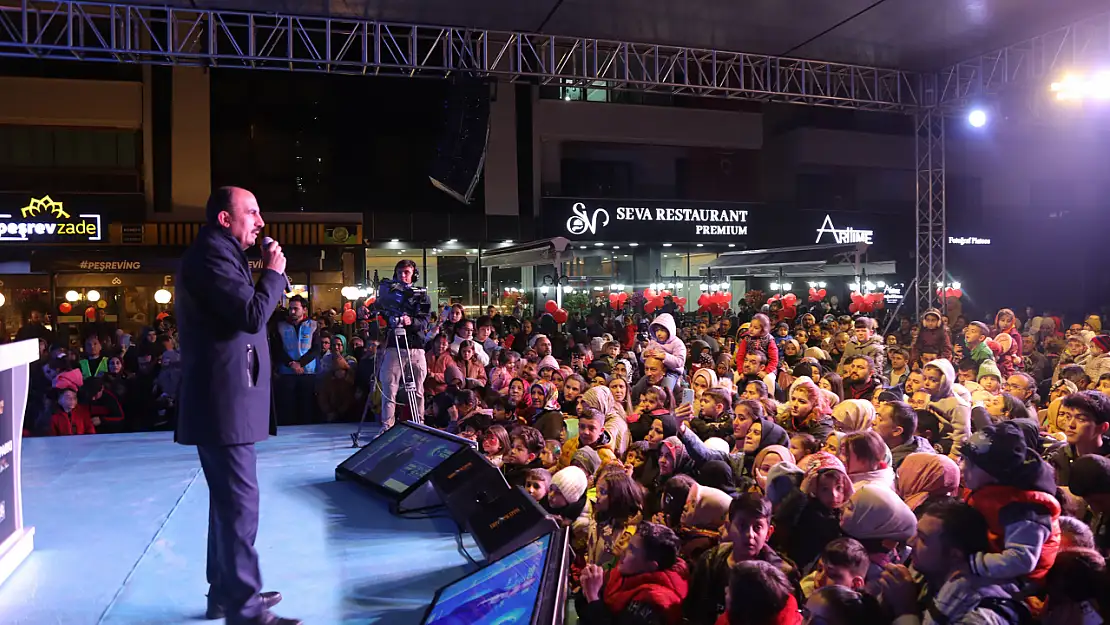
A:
(225, 393)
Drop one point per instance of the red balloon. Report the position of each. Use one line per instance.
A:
(551, 306)
(772, 300)
(381, 322)
(371, 300)
(90, 313)
(789, 312)
(957, 293)
(853, 307)
(65, 307)
(622, 298)
(348, 316)
(346, 305)
(560, 315)
(857, 298)
(703, 300)
(821, 294)
(789, 299)
(649, 307)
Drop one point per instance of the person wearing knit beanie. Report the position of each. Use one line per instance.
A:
(990, 378)
(571, 483)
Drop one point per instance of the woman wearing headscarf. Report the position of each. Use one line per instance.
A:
(762, 433)
(706, 509)
(853, 415)
(766, 459)
(925, 477)
(882, 523)
(546, 416)
(600, 398)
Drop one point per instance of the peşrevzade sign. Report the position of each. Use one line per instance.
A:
(623, 220)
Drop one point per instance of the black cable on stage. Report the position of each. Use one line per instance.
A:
(462, 548)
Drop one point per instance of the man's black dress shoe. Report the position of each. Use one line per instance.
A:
(216, 611)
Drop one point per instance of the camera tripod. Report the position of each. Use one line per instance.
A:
(408, 380)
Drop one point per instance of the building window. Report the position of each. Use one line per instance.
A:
(571, 92)
(92, 160)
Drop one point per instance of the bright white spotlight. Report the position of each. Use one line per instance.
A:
(977, 118)
(93, 295)
(162, 296)
(72, 296)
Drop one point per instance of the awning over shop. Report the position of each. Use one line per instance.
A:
(543, 252)
(801, 262)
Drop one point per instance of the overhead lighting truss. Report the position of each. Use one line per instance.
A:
(1034, 62)
(128, 33)
(931, 238)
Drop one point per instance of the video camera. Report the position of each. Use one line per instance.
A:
(397, 299)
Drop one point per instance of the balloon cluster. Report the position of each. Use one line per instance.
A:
(816, 295)
(349, 314)
(950, 293)
(866, 303)
(559, 314)
(714, 303)
(617, 300)
(789, 304)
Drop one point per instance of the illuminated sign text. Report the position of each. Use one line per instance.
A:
(44, 219)
(845, 235)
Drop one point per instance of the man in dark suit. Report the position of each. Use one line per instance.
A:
(225, 392)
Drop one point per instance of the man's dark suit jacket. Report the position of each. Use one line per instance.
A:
(221, 321)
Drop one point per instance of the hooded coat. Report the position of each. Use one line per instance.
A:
(675, 349)
(954, 411)
(654, 597)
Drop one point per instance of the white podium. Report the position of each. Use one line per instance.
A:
(16, 541)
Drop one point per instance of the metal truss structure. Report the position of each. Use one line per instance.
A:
(127, 33)
(931, 268)
(1030, 63)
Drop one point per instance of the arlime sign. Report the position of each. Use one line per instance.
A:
(45, 220)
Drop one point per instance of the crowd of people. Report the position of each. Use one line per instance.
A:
(728, 470)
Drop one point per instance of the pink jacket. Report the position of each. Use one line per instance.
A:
(675, 349)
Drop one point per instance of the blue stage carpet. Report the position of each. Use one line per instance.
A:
(121, 526)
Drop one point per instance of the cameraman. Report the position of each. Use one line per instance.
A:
(389, 372)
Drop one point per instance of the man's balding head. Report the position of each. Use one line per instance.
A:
(236, 211)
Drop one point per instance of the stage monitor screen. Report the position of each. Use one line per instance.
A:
(525, 587)
(400, 459)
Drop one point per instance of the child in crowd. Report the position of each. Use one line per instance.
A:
(990, 378)
(537, 484)
(932, 338)
(71, 417)
(616, 513)
(843, 562)
(802, 445)
(975, 335)
(1016, 492)
(549, 457)
(809, 517)
(526, 445)
(668, 347)
(758, 339)
(495, 444)
(749, 528)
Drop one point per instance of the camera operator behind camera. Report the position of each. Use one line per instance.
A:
(408, 307)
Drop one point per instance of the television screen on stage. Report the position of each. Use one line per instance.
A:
(526, 587)
(401, 458)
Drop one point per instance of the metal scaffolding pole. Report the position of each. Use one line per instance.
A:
(130, 33)
(931, 231)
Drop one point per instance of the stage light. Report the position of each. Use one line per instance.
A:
(507, 241)
(93, 295)
(732, 245)
(668, 244)
(72, 296)
(395, 240)
(977, 118)
(633, 244)
(1078, 87)
(598, 244)
(162, 296)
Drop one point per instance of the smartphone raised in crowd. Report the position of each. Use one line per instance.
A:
(688, 396)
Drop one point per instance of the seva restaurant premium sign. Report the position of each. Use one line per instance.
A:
(47, 221)
(624, 220)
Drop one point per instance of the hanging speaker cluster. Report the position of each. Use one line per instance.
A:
(461, 152)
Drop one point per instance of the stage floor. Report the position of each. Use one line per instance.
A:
(121, 527)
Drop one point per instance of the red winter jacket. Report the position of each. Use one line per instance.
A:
(664, 591)
(77, 422)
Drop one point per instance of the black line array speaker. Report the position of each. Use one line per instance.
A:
(461, 153)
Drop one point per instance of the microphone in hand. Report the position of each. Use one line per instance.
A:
(274, 258)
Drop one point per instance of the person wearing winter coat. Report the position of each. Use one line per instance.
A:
(1087, 415)
(667, 346)
(1099, 363)
(1005, 325)
(865, 343)
(952, 410)
(932, 338)
(648, 587)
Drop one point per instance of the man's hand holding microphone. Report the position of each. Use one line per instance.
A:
(272, 256)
